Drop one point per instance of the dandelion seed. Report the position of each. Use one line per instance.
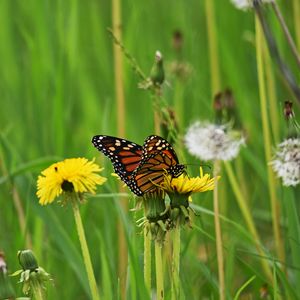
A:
(247, 4)
(213, 142)
(286, 161)
(71, 175)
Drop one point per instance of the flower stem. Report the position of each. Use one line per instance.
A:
(267, 142)
(85, 251)
(159, 272)
(147, 259)
(175, 291)
(248, 217)
(212, 46)
(286, 32)
(219, 235)
(37, 290)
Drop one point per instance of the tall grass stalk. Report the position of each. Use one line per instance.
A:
(219, 242)
(119, 94)
(286, 31)
(215, 87)
(85, 251)
(21, 216)
(293, 224)
(212, 46)
(175, 288)
(179, 103)
(118, 67)
(159, 271)
(17, 204)
(248, 218)
(271, 89)
(296, 10)
(267, 141)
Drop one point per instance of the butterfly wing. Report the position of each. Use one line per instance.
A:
(124, 155)
(155, 143)
(158, 158)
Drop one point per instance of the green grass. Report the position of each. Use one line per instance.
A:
(57, 91)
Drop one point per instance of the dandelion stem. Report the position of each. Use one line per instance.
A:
(247, 216)
(85, 251)
(159, 272)
(267, 142)
(37, 290)
(147, 259)
(219, 235)
(286, 31)
(212, 46)
(119, 93)
(175, 291)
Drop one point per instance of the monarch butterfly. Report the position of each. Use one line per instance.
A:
(142, 168)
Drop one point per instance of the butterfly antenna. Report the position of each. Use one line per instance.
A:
(201, 165)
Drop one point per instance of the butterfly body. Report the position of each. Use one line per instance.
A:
(142, 168)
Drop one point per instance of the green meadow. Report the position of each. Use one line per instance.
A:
(58, 90)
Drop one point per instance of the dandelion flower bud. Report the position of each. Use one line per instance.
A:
(157, 73)
(32, 276)
(27, 260)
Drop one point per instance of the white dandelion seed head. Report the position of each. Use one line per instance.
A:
(247, 4)
(286, 161)
(213, 142)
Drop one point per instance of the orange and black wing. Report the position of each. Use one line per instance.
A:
(124, 155)
(158, 159)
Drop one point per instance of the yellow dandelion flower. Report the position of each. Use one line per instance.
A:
(184, 185)
(180, 190)
(71, 175)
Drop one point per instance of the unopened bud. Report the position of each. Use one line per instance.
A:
(27, 260)
(177, 40)
(228, 99)
(158, 56)
(157, 74)
(217, 104)
(288, 110)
